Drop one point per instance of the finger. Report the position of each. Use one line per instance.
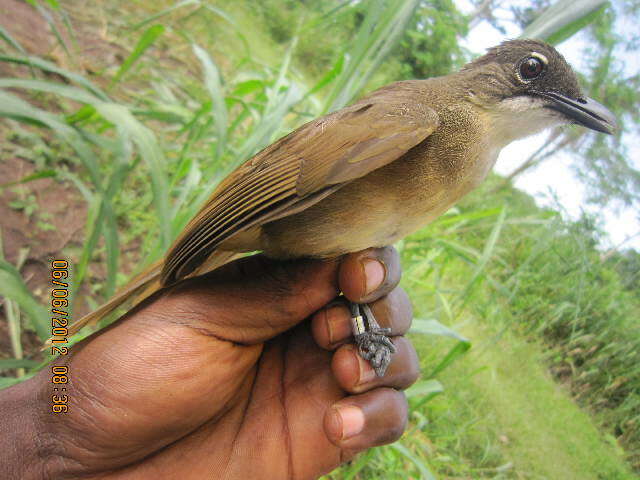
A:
(355, 375)
(370, 274)
(250, 300)
(363, 421)
(331, 326)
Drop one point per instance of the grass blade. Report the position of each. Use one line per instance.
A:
(6, 36)
(162, 13)
(93, 228)
(213, 84)
(30, 178)
(146, 40)
(73, 93)
(456, 351)
(487, 253)
(425, 473)
(433, 327)
(54, 27)
(12, 286)
(53, 68)
(329, 77)
(424, 387)
(148, 147)
(558, 16)
(379, 32)
(423, 392)
(281, 99)
(12, 314)
(8, 381)
(11, 363)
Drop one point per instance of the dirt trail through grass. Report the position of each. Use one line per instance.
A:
(538, 429)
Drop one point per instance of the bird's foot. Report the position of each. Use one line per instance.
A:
(373, 342)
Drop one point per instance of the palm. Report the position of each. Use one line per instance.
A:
(260, 424)
(273, 428)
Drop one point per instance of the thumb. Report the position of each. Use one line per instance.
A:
(249, 300)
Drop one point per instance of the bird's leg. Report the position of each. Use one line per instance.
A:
(373, 342)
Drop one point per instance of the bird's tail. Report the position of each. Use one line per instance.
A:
(147, 281)
(142, 286)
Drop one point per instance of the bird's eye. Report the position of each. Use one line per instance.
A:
(531, 68)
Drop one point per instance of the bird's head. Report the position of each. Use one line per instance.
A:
(526, 86)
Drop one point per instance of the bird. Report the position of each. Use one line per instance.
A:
(375, 171)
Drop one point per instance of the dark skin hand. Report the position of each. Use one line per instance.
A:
(221, 377)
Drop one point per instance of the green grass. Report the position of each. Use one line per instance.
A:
(540, 432)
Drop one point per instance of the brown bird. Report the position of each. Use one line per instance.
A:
(373, 172)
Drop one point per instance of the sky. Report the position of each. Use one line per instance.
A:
(555, 175)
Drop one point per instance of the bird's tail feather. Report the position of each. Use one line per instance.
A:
(142, 286)
(147, 281)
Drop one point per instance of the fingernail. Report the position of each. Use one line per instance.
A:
(367, 373)
(329, 322)
(352, 420)
(374, 273)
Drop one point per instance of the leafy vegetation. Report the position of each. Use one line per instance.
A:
(144, 142)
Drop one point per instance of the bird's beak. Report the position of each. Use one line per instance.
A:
(586, 112)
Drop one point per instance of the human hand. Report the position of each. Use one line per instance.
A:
(219, 377)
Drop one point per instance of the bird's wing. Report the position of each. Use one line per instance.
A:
(302, 168)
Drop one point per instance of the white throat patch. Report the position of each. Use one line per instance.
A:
(522, 116)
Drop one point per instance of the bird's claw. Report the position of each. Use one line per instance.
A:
(373, 342)
(375, 347)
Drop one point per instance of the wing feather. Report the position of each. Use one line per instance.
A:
(302, 168)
